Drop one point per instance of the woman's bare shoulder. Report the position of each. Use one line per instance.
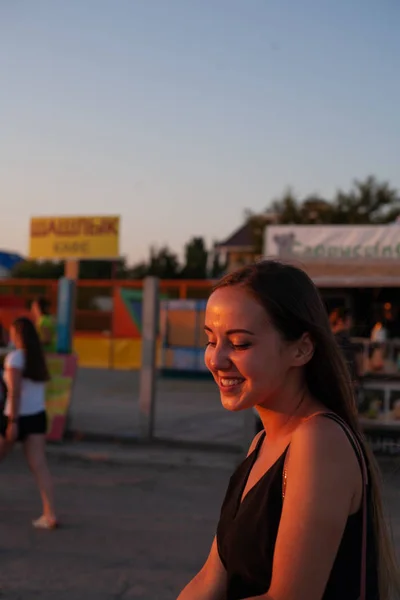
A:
(326, 445)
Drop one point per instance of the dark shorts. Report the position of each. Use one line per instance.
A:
(27, 425)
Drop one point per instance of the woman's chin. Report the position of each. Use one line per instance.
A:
(234, 403)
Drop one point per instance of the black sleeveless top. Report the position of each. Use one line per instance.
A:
(247, 532)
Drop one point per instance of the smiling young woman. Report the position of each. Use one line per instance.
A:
(302, 517)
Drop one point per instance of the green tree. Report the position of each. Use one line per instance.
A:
(138, 271)
(163, 264)
(88, 269)
(196, 258)
(218, 268)
(256, 223)
(316, 210)
(368, 202)
(288, 209)
(33, 269)
(103, 269)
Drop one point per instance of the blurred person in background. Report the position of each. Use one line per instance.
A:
(24, 417)
(390, 321)
(379, 333)
(45, 324)
(341, 321)
(377, 350)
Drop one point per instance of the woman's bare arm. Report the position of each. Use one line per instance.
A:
(14, 379)
(210, 582)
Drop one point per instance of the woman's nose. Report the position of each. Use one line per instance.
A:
(220, 359)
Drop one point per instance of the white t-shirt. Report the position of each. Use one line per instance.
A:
(32, 399)
(379, 333)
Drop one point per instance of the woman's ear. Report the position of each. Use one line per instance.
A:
(304, 350)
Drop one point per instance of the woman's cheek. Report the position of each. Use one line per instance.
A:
(207, 359)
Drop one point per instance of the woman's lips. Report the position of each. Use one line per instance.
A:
(230, 384)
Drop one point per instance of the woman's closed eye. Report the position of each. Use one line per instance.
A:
(241, 346)
(237, 346)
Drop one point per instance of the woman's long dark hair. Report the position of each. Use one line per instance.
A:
(35, 363)
(295, 307)
(293, 303)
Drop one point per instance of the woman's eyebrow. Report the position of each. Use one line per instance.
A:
(230, 331)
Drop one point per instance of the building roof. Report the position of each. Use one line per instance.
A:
(242, 237)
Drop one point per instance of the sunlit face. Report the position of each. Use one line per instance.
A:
(247, 356)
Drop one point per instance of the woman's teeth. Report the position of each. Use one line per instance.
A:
(228, 382)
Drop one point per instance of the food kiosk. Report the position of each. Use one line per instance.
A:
(357, 267)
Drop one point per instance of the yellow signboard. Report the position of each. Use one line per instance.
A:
(74, 237)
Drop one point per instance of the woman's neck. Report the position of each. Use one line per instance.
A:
(281, 416)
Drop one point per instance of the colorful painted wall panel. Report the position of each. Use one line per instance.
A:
(183, 337)
(126, 354)
(181, 328)
(63, 369)
(183, 323)
(127, 318)
(184, 359)
(94, 352)
(102, 353)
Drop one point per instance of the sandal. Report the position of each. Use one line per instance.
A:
(44, 522)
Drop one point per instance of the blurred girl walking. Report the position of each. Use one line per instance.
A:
(24, 418)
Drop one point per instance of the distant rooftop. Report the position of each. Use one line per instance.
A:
(243, 236)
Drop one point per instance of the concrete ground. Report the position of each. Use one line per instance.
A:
(106, 402)
(130, 530)
(137, 520)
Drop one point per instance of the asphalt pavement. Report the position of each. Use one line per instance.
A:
(130, 530)
(105, 404)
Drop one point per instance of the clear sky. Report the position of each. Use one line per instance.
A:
(179, 114)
